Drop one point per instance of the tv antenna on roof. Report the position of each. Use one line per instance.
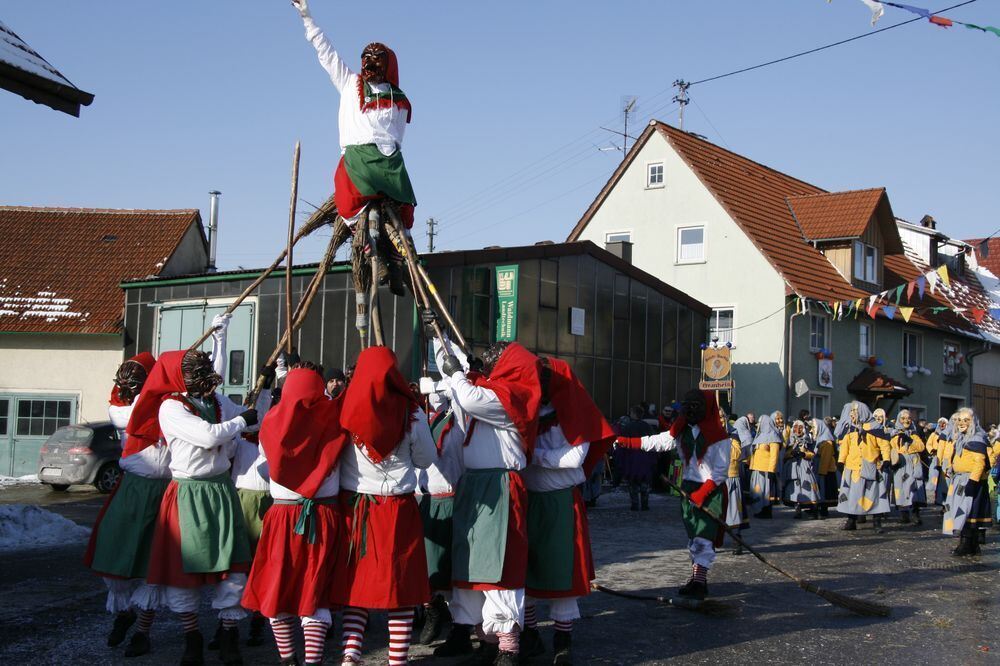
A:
(628, 105)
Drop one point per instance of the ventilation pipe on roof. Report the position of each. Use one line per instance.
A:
(928, 222)
(213, 228)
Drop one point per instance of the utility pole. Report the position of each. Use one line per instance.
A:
(682, 98)
(431, 233)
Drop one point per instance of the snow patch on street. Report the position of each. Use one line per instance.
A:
(23, 527)
(18, 480)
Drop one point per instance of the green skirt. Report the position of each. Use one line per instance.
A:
(213, 535)
(697, 523)
(373, 173)
(125, 535)
(254, 504)
(550, 540)
(436, 513)
(482, 511)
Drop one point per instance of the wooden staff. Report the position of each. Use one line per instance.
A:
(322, 216)
(291, 241)
(301, 310)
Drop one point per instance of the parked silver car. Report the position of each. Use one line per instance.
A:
(81, 454)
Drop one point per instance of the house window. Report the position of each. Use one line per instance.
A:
(952, 362)
(654, 175)
(41, 418)
(4, 415)
(866, 345)
(819, 333)
(721, 325)
(819, 405)
(618, 237)
(912, 350)
(865, 263)
(690, 245)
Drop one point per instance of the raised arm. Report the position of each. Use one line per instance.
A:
(478, 402)
(220, 329)
(331, 61)
(177, 421)
(659, 443)
(566, 456)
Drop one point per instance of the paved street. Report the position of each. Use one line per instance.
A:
(944, 608)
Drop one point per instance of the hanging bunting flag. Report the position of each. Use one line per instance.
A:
(932, 280)
(941, 21)
(995, 313)
(983, 28)
(977, 315)
(857, 304)
(871, 302)
(910, 8)
(798, 306)
(943, 272)
(873, 310)
(939, 310)
(899, 293)
(984, 249)
(877, 10)
(921, 284)
(909, 290)
(890, 311)
(905, 312)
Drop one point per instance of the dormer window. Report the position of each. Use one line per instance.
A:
(866, 263)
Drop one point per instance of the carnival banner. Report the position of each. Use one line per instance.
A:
(506, 281)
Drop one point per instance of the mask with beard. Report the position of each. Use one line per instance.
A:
(200, 378)
(492, 355)
(375, 63)
(129, 380)
(693, 406)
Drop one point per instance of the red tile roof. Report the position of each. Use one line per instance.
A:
(758, 198)
(991, 262)
(835, 214)
(60, 267)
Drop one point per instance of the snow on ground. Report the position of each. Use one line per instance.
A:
(23, 527)
(18, 480)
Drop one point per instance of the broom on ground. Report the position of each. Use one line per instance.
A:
(709, 607)
(853, 604)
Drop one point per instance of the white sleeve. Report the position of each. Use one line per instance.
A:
(660, 443)
(478, 402)
(119, 415)
(423, 451)
(177, 421)
(219, 354)
(331, 61)
(229, 409)
(263, 405)
(717, 458)
(564, 457)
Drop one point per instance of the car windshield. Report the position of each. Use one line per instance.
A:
(71, 435)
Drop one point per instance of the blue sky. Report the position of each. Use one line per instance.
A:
(508, 99)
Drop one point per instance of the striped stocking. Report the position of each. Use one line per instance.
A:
(315, 635)
(400, 628)
(284, 636)
(561, 625)
(510, 640)
(699, 573)
(145, 622)
(355, 622)
(189, 621)
(530, 616)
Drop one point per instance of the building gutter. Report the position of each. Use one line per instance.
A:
(788, 362)
(224, 277)
(969, 358)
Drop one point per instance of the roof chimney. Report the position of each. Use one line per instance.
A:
(621, 249)
(213, 229)
(928, 222)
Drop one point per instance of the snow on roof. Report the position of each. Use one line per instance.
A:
(25, 72)
(15, 51)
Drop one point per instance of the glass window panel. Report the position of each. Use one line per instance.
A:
(654, 328)
(619, 396)
(685, 339)
(652, 389)
(24, 408)
(37, 408)
(691, 244)
(637, 326)
(668, 385)
(637, 384)
(624, 236)
(51, 408)
(548, 325)
(35, 427)
(602, 386)
(859, 260)
(670, 331)
(64, 409)
(23, 426)
(237, 366)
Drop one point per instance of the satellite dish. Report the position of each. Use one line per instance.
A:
(801, 388)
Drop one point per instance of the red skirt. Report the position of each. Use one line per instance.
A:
(291, 575)
(515, 556)
(583, 560)
(386, 563)
(166, 566)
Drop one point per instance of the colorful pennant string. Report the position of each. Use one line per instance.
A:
(877, 8)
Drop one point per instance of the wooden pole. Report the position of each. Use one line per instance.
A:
(315, 221)
(291, 242)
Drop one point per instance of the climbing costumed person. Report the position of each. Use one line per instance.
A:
(200, 539)
(387, 563)
(301, 556)
(572, 437)
(499, 414)
(705, 447)
(373, 116)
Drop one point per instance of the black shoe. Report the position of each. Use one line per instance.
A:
(138, 646)
(290, 661)
(213, 644)
(851, 524)
(738, 550)
(634, 507)
(904, 517)
(562, 643)
(436, 617)
(824, 512)
(862, 520)
(229, 647)
(694, 589)
(644, 503)
(917, 520)
(798, 513)
(119, 630)
(504, 658)
(194, 649)
(591, 503)
(531, 643)
(967, 545)
(877, 525)
(486, 654)
(258, 635)
(457, 643)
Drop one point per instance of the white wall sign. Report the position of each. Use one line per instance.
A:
(577, 317)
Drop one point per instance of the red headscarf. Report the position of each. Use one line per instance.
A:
(147, 361)
(711, 426)
(165, 378)
(516, 382)
(301, 435)
(378, 403)
(397, 98)
(580, 419)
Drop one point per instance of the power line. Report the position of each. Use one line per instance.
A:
(827, 46)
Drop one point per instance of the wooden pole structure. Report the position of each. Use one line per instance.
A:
(291, 241)
(315, 221)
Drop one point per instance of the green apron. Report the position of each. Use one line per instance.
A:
(551, 521)
(125, 536)
(696, 522)
(482, 511)
(213, 534)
